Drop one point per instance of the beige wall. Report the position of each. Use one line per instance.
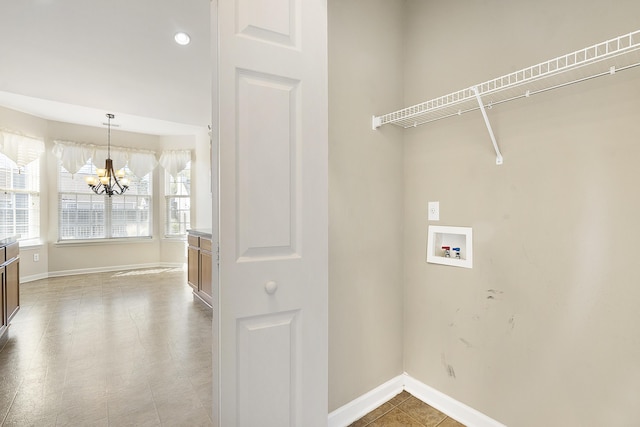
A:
(365, 198)
(543, 329)
(57, 258)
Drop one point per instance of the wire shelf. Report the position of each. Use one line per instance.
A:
(601, 59)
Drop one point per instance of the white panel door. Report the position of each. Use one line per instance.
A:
(272, 296)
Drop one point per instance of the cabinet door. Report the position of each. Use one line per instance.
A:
(3, 313)
(12, 281)
(192, 271)
(206, 275)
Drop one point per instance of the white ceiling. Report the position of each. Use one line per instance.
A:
(76, 60)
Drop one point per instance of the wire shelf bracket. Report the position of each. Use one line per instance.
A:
(499, 159)
(601, 59)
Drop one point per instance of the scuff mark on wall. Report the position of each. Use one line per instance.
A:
(493, 293)
(512, 321)
(466, 343)
(450, 371)
(453, 323)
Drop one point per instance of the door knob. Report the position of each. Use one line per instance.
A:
(270, 287)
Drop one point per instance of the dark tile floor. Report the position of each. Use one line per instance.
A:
(405, 410)
(109, 349)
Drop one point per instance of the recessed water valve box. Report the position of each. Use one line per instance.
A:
(450, 246)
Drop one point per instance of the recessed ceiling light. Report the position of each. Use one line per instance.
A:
(182, 38)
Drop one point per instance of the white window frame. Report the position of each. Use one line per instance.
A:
(182, 194)
(103, 229)
(31, 174)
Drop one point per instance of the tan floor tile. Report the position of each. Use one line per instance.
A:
(427, 415)
(376, 413)
(172, 405)
(129, 401)
(33, 399)
(139, 416)
(450, 422)
(195, 417)
(86, 413)
(30, 420)
(399, 398)
(395, 418)
(359, 423)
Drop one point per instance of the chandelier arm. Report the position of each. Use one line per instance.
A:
(99, 189)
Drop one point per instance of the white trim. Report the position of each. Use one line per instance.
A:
(33, 278)
(106, 241)
(28, 244)
(366, 403)
(445, 404)
(115, 268)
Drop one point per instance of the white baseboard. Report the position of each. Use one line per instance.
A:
(109, 269)
(33, 277)
(445, 404)
(364, 404)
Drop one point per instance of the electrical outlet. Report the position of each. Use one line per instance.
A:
(434, 211)
(36, 257)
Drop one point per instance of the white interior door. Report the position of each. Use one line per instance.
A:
(272, 296)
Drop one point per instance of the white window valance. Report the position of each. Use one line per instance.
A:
(20, 148)
(141, 163)
(73, 156)
(174, 161)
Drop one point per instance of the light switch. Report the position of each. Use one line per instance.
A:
(434, 211)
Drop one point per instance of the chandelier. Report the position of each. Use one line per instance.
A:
(108, 182)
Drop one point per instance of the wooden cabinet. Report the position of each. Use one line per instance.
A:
(200, 265)
(206, 268)
(12, 280)
(10, 284)
(4, 323)
(193, 255)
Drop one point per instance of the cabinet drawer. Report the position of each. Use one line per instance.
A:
(205, 244)
(12, 251)
(193, 240)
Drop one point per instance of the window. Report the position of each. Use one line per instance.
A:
(178, 202)
(19, 199)
(84, 215)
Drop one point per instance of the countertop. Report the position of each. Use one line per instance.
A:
(6, 241)
(205, 232)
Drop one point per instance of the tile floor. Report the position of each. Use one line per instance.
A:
(405, 410)
(108, 349)
(130, 348)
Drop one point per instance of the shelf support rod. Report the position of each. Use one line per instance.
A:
(486, 121)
